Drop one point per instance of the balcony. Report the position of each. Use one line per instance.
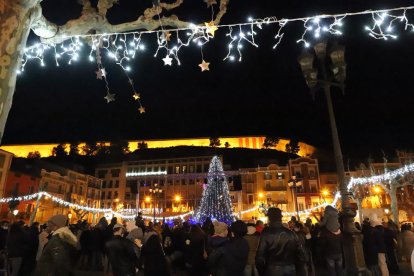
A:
(270, 188)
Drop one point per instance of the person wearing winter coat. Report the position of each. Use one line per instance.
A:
(59, 252)
(195, 251)
(121, 254)
(154, 260)
(219, 238)
(379, 243)
(407, 241)
(252, 237)
(279, 248)
(231, 259)
(368, 246)
(17, 246)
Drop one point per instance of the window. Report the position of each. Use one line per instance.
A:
(182, 181)
(311, 173)
(103, 195)
(116, 183)
(314, 188)
(80, 190)
(191, 168)
(127, 195)
(280, 176)
(60, 189)
(109, 195)
(115, 194)
(115, 172)
(199, 169)
(104, 184)
(184, 168)
(101, 173)
(250, 199)
(170, 170)
(177, 169)
(267, 176)
(301, 207)
(110, 184)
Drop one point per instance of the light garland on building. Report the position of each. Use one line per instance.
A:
(382, 178)
(121, 215)
(122, 48)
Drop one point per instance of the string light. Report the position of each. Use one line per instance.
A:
(382, 178)
(122, 47)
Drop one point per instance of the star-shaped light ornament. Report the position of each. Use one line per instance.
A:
(211, 28)
(109, 97)
(204, 66)
(210, 3)
(167, 60)
(141, 109)
(136, 96)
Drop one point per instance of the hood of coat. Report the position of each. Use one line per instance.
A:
(66, 235)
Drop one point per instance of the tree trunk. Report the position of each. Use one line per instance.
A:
(15, 19)
(394, 203)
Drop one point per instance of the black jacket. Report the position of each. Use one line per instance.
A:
(278, 246)
(121, 255)
(331, 243)
(230, 259)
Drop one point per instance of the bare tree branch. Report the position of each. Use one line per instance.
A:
(95, 22)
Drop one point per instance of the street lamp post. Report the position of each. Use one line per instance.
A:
(155, 191)
(294, 183)
(354, 257)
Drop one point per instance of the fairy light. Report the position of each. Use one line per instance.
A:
(125, 45)
(382, 178)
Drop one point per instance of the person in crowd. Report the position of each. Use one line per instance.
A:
(196, 253)
(279, 248)
(167, 239)
(231, 259)
(252, 237)
(407, 241)
(43, 239)
(17, 246)
(154, 259)
(379, 243)
(58, 255)
(208, 227)
(4, 231)
(369, 248)
(90, 260)
(259, 226)
(304, 236)
(29, 260)
(121, 254)
(390, 239)
(139, 222)
(219, 238)
(331, 241)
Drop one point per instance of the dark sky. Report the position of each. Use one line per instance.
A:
(265, 94)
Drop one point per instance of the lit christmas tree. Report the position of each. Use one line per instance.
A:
(215, 202)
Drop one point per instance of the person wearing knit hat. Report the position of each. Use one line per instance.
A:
(58, 221)
(220, 229)
(231, 259)
(58, 254)
(270, 259)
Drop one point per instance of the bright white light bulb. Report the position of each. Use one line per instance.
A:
(128, 68)
(231, 58)
(141, 47)
(325, 29)
(317, 34)
(18, 72)
(90, 58)
(316, 20)
(389, 29)
(240, 46)
(307, 44)
(132, 44)
(57, 55)
(230, 46)
(242, 34)
(250, 19)
(199, 43)
(131, 52)
(367, 28)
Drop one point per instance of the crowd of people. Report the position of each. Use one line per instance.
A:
(183, 248)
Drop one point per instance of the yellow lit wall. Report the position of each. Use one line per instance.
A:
(235, 142)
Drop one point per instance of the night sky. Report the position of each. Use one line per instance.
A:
(265, 94)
